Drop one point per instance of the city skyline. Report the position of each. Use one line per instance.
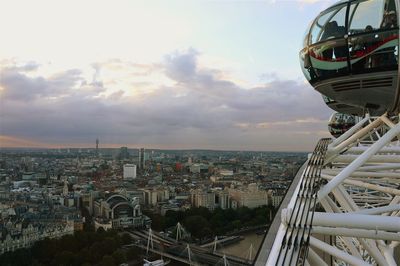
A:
(174, 75)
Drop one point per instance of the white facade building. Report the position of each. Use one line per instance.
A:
(129, 171)
(251, 197)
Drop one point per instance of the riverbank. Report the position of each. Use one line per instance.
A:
(242, 248)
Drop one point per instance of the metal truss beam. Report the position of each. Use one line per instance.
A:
(352, 196)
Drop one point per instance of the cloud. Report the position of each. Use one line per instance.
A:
(20, 87)
(181, 66)
(187, 106)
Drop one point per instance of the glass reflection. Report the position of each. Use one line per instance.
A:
(374, 51)
(339, 123)
(329, 25)
(329, 59)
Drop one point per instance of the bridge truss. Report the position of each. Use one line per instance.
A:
(346, 206)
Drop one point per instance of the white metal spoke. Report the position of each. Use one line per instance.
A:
(359, 192)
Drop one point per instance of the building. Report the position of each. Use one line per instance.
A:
(28, 176)
(222, 199)
(153, 196)
(203, 198)
(198, 168)
(86, 201)
(251, 197)
(225, 172)
(150, 197)
(276, 199)
(65, 188)
(133, 193)
(142, 159)
(17, 235)
(123, 153)
(129, 171)
(117, 211)
(168, 207)
(178, 167)
(210, 199)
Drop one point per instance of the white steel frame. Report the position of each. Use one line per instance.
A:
(359, 202)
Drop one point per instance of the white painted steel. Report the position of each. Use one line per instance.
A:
(365, 174)
(359, 161)
(373, 159)
(361, 199)
(336, 252)
(360, 221)
(372, 249)
(349, 132)
(357, 135)
(379, 210)
(366, 185)
(273, 257)
(364, 233)
(315, 259)
(380, 167)
(361, 149)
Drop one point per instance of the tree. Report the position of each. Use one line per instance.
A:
(133, 253)
(195, 224)
(126, 239)
(158, 222)
(218, 220)
(119, 256)
(206, 232)
(82, 256)
(107, 261)
(63, 258)
(237, 224)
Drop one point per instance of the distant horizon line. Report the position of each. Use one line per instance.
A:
(168, 149)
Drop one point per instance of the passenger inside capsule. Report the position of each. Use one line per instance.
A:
(389, 20)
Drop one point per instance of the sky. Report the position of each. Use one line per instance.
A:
(187, 74)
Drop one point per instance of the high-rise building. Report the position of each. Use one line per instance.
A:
(123, 153)
(129, 171)
(97, 145)
(65, 188)
(222, 199)
(142, 159)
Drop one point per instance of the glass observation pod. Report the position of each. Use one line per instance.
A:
(339, 123)
(351, 54)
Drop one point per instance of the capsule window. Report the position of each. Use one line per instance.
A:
(329, 25)
(372, 15)
(373, 36)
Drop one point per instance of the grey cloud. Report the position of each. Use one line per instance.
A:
(29, 66)
(181, 66)
(275, 100)
(19, 86)
(200, 110)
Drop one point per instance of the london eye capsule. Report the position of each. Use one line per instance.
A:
(351, 55)
(340, 123)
